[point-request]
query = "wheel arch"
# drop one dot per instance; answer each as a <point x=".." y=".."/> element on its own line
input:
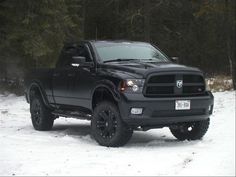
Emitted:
<point x="35" y="88"/>
<point x="106" y="90"/>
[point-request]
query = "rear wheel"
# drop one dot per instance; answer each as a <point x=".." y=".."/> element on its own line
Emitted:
<point x="107" y="127"/>
<point x="190" y="130"/>
<point x="41" y="116"/>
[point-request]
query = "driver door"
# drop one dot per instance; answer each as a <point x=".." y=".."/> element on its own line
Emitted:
<point x="81" y="78"/>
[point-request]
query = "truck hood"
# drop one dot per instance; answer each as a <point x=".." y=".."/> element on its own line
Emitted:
<point x="142" y="69"/>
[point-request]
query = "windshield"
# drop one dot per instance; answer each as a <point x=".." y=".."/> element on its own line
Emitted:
<point x="114" y="51"/>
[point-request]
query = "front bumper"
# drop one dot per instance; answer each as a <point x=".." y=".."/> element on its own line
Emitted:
<point x="161" y="111"/>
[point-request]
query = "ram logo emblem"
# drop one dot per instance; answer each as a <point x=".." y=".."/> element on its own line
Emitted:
<point x="179" y="83"/>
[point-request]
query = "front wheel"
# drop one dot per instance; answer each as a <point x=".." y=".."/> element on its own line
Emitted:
<point x="190" y="130"/>
<point x="107" y="127"/>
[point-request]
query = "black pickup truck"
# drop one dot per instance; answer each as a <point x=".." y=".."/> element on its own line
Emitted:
<point x="121" y="86"/>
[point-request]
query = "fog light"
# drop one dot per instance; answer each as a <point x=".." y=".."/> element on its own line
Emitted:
<point x="136" y="111"/>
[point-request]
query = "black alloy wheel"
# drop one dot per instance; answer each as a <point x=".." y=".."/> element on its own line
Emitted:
<point x="108" y="129"/>
<point x="36" y="112"/>
<point x="107" y="123"/>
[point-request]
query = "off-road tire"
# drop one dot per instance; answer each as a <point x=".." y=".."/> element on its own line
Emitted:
<point x="41" y="116"/>
<point x="108" y="129"/>
<point x="191" y="130"/>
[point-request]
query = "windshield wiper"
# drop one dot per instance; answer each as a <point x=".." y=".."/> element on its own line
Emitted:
<point x="121" y="59"/>
<point x="151" y="60"/>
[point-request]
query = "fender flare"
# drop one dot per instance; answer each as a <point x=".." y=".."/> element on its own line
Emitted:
<point x="109" y="86"/>
<point x="42" y="92"/>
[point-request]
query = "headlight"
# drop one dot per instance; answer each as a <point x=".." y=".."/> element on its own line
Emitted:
<point x="132" y="85"/>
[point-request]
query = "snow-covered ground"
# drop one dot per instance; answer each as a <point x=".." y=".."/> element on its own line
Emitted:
<point x="69" y="150"/>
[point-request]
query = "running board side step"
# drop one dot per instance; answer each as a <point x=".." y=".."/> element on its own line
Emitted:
<point x="72" y="114"/>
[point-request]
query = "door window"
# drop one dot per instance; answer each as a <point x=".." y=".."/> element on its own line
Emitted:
<point x="65" y="59"/>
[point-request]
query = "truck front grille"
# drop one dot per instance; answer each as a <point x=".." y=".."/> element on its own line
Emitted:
<point x="174" y="85"/>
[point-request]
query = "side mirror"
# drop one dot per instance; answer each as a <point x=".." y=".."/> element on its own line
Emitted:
<point x="80" y="61"/>
<point x="175" y="59"/>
